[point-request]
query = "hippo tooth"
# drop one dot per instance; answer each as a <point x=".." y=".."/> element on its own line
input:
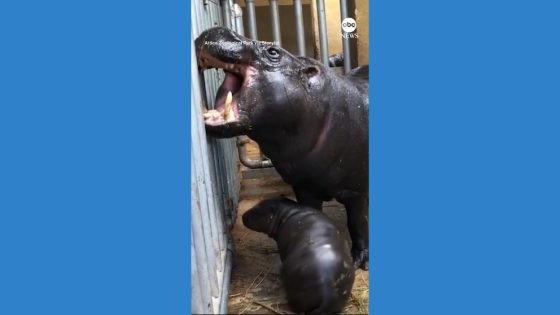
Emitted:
<point x="228" y="111"/>
<point x="230" y="116"/>
<point x="227" y="104"/>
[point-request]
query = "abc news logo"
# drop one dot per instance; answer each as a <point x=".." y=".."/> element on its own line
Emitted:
<point x="349" y="26"/>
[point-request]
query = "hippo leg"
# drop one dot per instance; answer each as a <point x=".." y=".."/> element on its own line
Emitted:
<point x="357" y="220"/>
<point x="306" y="199"/>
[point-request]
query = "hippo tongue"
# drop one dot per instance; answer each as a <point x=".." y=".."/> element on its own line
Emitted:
<point x="232" y="84"/>
<point x="213" y="116"/>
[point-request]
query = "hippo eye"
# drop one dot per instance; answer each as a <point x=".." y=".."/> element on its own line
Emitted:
<point x="273" y="52"/>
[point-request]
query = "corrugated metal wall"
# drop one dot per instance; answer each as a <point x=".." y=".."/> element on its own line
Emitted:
<point x="215" y="183"/>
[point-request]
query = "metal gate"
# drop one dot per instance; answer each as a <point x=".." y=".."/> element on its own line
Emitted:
<point x="215" y="179"/>
<point x="215" y="182"/>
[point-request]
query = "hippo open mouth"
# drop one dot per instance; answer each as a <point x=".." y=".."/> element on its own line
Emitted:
<point x="261" y="82"/>
<point x="238" y="77"/>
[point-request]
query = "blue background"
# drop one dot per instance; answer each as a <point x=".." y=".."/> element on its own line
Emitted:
<point x="94" y="151"/>
<point x="94" y="172"/>
<point x="466" y="194"/>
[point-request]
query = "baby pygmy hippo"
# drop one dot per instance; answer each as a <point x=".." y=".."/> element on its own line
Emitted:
<point x="317" y="270"/>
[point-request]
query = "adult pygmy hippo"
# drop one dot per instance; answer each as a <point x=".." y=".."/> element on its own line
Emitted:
<point x="311" y="122"/>
<point x="317" y="270"/>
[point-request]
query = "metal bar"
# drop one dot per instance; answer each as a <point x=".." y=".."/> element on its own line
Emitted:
<point x="345" y="40"/>
<point x="205" y="258"/>
<point x="238" y="19"/>
<point x="227" y="277"/>
<point x="216" y="170"/>
<point x="196" y="23"/>
<point x="232" y="15"/>
<point x="201" y="151"/>
<point x="300" y="37"/>
<point x="323" y="32"/>
<point x="213" y="175"/>
<point x="236" y="186"/>
<point x="245" y="160"/>
<point x="252" y="19"/>
<point x="275" y="22"/>
<point x="228" y="194"/>
<point x="200" y="291"/>
<point x="226" y="16"/>
<point x="204" y="190"/>
<point x="197" y="297"/>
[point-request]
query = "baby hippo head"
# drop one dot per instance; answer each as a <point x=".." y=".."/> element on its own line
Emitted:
<point x="263" y="217"/>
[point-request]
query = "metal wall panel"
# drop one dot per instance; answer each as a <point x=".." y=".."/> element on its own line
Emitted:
<point x="215" y="183"/>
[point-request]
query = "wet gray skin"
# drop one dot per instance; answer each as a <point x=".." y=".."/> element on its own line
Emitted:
<point x="317" y="271"/>
<point x="311" y="122"/>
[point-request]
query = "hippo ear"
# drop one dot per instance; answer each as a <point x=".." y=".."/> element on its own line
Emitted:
<point x="312" y="74"/>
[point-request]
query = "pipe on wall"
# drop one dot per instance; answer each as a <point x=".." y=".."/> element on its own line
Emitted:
<point x="244" y="158"/>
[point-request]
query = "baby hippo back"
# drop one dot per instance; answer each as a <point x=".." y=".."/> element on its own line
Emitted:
<point x="317" y="270"/>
